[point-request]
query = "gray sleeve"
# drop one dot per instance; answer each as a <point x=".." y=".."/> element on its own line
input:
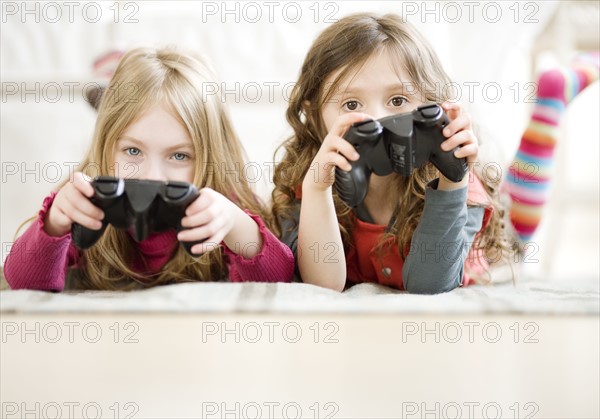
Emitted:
<point x="441" y="242"/>
<point x="289" y="235"/>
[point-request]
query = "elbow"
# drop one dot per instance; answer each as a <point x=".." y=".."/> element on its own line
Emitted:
<point x="335" y="286"/>
<point x="430" y="284"/>
<point x="332" y="277"/>
<point x="17" y="279"/>
<point x="332" y="287"/>
<point x="8" y="275"/>
<point x="427" y="289"/>
<point x="332" y="282"/>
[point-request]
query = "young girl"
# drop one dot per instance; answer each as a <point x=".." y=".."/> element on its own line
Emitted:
<point x="421" y="233"/>
<point x="155" y="123"/>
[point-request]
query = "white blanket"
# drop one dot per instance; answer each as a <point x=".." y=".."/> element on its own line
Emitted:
<point x="571" y="296"/>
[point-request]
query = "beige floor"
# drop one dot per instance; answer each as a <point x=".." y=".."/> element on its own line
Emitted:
<point x="242" y="365"/>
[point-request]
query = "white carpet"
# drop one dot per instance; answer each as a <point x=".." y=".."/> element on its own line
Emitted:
<point x="579" y="296"/>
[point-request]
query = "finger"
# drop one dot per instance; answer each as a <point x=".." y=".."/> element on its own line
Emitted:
<point x="83" y="185"/>
<point x="337" y="160"/>
<point x="344" y="122"/>
<point x="201" y="232"/>
<point x="462" y="122"/>
<point x="453" y="109"/>
<point x="204" y="200"/>
<point x="76" y="216"/>
<point x="77" y="200"/>
<point x="211" y="243"/>
<point x="87" y="222"/>
<point x="201" y="248"/>
<point x="343" y="147"/>
<point x="461" y="138"/>
<point x="200" y="218"/>
<point x="470" y="151"/>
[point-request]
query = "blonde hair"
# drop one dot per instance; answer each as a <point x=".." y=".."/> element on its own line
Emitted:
<point x="146" y="77"/>
<point x="345" y="46"/>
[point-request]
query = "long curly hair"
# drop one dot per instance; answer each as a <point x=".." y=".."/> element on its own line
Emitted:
<point x="344" y="47"/>
<point x="146" y="77"/>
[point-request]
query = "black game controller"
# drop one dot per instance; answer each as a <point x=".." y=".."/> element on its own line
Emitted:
<point x="397" y="143"/>
<point x="147" y="205"/>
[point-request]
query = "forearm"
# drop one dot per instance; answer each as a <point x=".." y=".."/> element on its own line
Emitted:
<point x="441" y="242"/>
<point x="274" y="262"/>
<point x="244" y="238"/>
<point x="447" y="185"/>
<point x="39" y="261"/>
<point x="319" y="230"/>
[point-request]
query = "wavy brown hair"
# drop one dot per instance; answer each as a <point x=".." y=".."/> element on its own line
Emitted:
<point x="347" y="45"/>
<point x="146" y="77"/>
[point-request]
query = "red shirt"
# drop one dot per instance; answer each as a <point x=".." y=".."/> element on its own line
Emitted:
<point x="39" y="261"/>
<point x="364" y="264"/>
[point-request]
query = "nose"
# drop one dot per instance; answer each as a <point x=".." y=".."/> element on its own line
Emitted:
<point x="378" y="112"/>
<point x="151" y="171"/>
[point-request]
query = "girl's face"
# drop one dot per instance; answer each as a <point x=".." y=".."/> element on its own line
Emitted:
<point x="378" y="89"/>
<point x="157" y="147"/>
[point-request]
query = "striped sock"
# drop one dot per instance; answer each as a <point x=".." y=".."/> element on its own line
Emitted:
<point x="528" y="178"/>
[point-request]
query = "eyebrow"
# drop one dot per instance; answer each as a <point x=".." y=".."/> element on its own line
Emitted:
<point x="141" y="143"/>
<point x="395" y="86"/>
<point x="133" y="140"/>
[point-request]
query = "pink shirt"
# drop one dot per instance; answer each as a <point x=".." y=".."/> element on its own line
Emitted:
<point x="39" y="261"/>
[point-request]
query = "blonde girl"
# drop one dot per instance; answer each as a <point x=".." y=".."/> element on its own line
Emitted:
<point x="154" y="122"/>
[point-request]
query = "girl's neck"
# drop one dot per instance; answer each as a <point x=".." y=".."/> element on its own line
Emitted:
<point x="379" y="201"/>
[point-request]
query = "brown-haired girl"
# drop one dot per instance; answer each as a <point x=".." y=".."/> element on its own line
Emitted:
<point x="422" y="233"/>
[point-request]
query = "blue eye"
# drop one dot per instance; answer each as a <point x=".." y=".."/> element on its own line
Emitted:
<point x="132" y="151"/>
<point x="180" y="156"/>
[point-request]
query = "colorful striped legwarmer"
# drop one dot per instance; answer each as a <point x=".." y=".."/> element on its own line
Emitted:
<point x="528" y="178"/>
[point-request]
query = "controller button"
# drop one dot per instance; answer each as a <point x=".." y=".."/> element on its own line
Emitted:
<point x="370" y="127"/>
<point x="176" y="192"/>
<point x="106" y="187"/>
<point x="430" y="111"/>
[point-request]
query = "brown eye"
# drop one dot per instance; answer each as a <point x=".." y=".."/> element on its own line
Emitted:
<point x="351" y="105"/>
<point x="398" y="101"/>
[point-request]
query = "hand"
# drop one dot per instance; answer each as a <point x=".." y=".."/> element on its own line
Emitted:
<point x="459" y="132"/>
<point x="334" y="152"/>
<point x="72" y="205"/>
<point x="211" y="217"/>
